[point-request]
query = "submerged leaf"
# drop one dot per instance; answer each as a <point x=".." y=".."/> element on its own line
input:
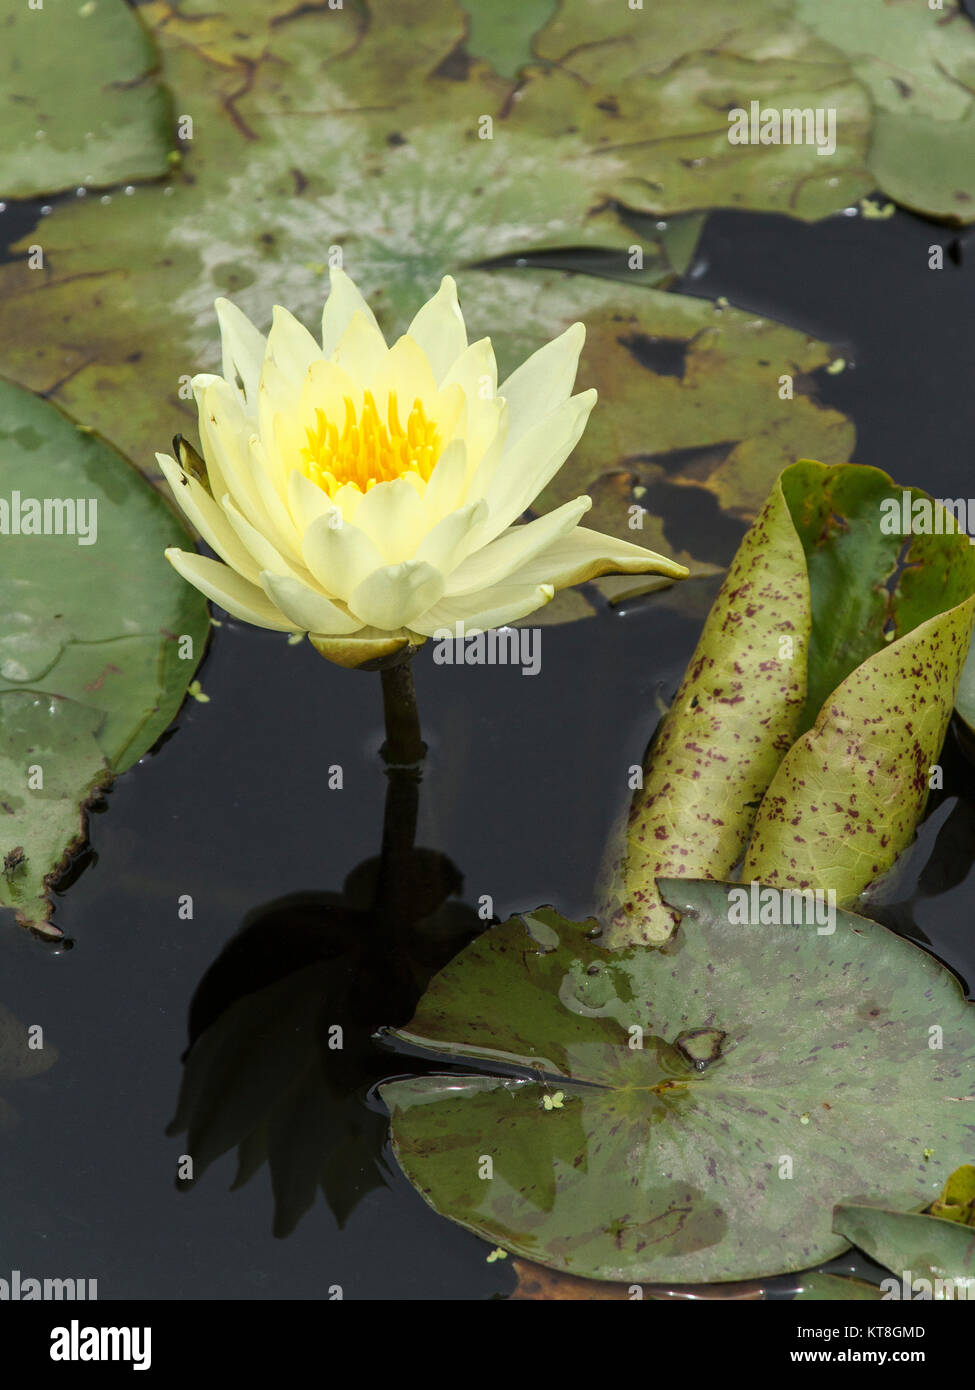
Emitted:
<point x="664" y="1164"/>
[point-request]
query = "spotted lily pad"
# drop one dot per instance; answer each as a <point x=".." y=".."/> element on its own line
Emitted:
<point x="831" y="628"/>
<point x="79" y="100"/>
<point x="717" y="1092"/>
<point x="98" y="637"/>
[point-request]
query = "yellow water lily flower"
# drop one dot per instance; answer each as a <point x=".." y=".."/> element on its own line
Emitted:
<point x="369" y="495"/>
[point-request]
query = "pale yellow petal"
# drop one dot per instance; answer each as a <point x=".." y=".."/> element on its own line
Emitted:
<point x="209" y="519"/>
<point x="242" y="349"/>
<point x="504" y="603"/>
<point x="343" y="303"/>
<point x="226" y="588"/>
<point x="515" y="548"/>
<point x="393" y="517"/>
<point x="439" y="329"/>
<point x="339" y="556"/>
<point x="583" y="554"/>
<point x="392" y="597"/>
<point x="527" y="467"/>
<point x="543" y="381"/>
<point x="311" y="610"/>
<point x="290" y="346"/>
<point x="446" y="546"/>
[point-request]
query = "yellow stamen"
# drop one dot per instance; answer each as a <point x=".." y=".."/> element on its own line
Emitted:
<point x="369" y="450"/>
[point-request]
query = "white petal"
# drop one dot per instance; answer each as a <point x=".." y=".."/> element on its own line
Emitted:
<point x="543" y="381"/>
<point x="290" y="346"/>
<point x="504" y="603"/>
<point x="229" y="590"/>
<point x="339" y="557"/>
<point x="208" y="519"/>
<point x="439" y="329"/>
<point x="312" y="611"/>
<point x="390" y="598"/>
<point x="585" y="554"/>
<point x="344" y="301"/>
<point x="242" y="348"/>
<point x="525" y="469"/>
<point x="516" y="547"/>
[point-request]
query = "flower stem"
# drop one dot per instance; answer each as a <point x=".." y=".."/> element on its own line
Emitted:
<point x="403" y="744"/>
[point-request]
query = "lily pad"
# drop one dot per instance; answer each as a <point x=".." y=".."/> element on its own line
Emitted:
<point x="918" y="64"/>
<point x="81" y="105"/>
<point x="717" y="1092"/>
<point x="124" y="306"/>
<point x="913" y="1245"/>
<point x="829" y="627"/>
<point x="98" y="637"/>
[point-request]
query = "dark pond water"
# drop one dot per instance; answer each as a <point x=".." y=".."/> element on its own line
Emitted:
<point x="523" y="779"/>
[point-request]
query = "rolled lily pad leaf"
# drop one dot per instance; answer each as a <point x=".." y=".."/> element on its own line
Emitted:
<point x="692" y="1078"/>
<point x="98" y="637"/>
<point x="80" y="105"/>
<point x="835" y="1288"/>
<point x="957" y="1201"/>
<point x="834" y="622"/>
<point x="913" y="1246"/>
<point x="965" y="699"/>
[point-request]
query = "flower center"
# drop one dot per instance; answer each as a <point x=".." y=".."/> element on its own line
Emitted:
<point x="369" y="450"/>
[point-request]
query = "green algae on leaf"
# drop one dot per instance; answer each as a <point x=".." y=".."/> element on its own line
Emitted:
<point x="80" y="104"/>
<point x="97" y="639"/>
<point x="813" y="709"/>
<point x="662" y="1163"/>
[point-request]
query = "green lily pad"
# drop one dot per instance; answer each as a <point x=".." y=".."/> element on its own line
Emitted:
<point x="123" y="308"/>
<point x="912" y="1245"/>
<point x="79" y="100"/>
<point x="717" y="1092"/>
<point x="98" y="637"/>
<point x="918" y="65"/>
<point x="836" y="1288"/>
<point x="823" y="633"/>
